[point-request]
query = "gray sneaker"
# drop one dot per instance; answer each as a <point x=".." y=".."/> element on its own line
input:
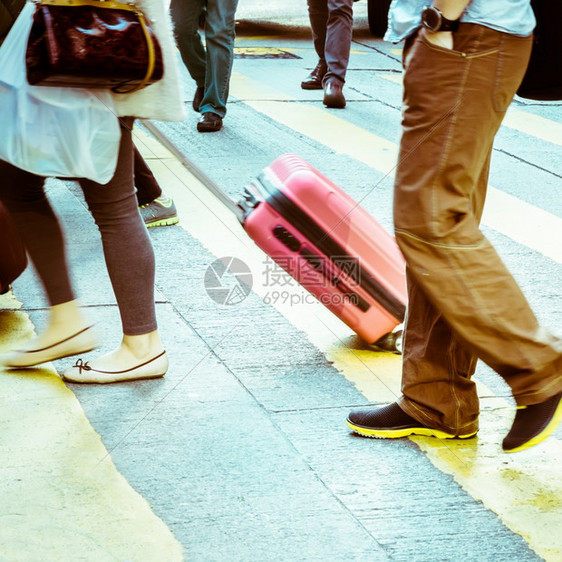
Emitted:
<point x="161" y="212"/>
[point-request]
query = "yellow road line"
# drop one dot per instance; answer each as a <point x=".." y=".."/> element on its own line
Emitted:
<point x="62" y="496"/>
<point x="540" y="230"/>
<point x="522" y="508"/>
<point x="534" y="125"/>
<point x="529" y="509"/>
<point x="523" y="489"/>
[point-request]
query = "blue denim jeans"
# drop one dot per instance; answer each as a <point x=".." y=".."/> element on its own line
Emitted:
<point x="463" y="303"/>
<point x="210" y="65"/>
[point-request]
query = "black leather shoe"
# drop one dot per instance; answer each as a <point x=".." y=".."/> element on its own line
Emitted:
<point x="198" y="97"/>
<point x="209" y="123"/>
<point x="314" y="80"/>
<point x="333" y="95"/>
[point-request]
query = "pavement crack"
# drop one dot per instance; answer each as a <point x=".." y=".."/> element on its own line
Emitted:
<point x="528" y="162"/>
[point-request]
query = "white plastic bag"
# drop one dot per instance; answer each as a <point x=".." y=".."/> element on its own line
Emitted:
<point x="50" y="131"/>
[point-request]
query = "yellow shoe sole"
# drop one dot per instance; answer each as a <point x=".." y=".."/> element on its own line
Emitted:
<point x="163" y="222"/>
<point x="546" y="432"/>
<point x="405" y="432"/>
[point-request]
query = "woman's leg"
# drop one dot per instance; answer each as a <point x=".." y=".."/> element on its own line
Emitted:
<point x="67" y="331"/>
<point x="130" y="263"/>
<point x="39" y="228"/>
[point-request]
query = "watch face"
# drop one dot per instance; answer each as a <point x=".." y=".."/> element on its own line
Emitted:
<point x="431" y="19"/>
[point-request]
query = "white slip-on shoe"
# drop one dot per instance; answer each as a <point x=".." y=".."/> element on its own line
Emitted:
<point x="83" y="373"/>
<point x="81" y="342"/>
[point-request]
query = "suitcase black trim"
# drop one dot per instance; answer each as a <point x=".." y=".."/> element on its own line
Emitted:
<point x="328" y="246"/>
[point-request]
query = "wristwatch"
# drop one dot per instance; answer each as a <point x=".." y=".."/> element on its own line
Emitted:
<point x="433" y="20"/>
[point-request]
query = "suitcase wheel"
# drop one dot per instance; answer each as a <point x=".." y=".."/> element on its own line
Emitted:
<point x="391" y="342"/>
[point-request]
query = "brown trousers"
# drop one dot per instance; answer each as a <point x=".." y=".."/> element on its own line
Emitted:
<point x="463" y="302"/>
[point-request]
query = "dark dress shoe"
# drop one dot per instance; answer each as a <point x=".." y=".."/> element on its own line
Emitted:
<point x="314" y="80"/>
<point x="333" y="95"/>
<point x="198" y="97"/>
<point x="209" y="123"/>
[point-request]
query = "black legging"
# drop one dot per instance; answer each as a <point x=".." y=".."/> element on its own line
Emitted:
<point x="128" y="252"/>
<point x="147" y="187"/>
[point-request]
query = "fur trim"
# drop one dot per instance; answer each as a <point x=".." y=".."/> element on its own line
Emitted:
<point x="162" y="100"/>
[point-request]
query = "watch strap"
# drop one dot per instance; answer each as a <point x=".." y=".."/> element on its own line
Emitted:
<point x="432" y="13"/>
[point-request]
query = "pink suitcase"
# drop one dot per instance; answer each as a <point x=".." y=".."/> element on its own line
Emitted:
<point x="329" y="244"/>
<point x="324" y="240"/>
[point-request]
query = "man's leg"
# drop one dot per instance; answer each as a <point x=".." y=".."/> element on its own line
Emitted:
<point x="219" y="38"/>
<point x="145" y="182"/>
<point x="437" y="367"/>
<point x="186" y="16"/>
<point x="439" y="192"/>
<point x="436" y="218"/>
<point x="318" y="15"/>
<point x="156" y="208"/>
<point x="338" y="38"/>
<point x="338" y="44"/>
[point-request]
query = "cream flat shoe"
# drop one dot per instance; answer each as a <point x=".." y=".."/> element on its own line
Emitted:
<point x="83" y="373"/>
<point x="80" y="342"/>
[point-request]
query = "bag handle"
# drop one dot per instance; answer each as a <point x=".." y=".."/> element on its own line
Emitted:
<point x="116" y="5"/>
<point x="151" y="58"/>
